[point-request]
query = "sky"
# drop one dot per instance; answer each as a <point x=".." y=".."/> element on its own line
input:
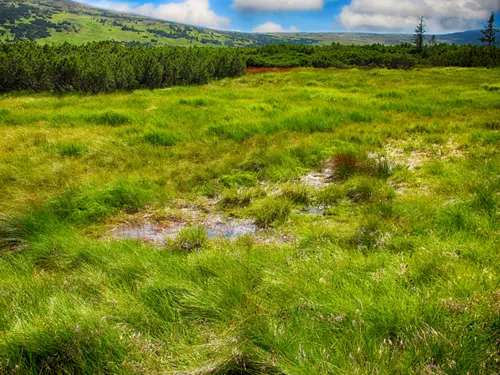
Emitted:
<point x="393" y="16"/>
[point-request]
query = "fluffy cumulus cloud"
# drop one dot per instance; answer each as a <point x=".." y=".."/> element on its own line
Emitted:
<point x="271" y="27"/>
<point x="193" y="12"/>
<point x="402" y="15"/>
<point x="277" y="5"/>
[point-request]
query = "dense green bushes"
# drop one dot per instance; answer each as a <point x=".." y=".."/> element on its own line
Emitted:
<point x="104" y="67"/>
<point x="403" y="56"/>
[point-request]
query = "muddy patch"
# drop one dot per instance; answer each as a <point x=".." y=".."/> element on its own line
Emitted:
<point x="417" y="157"/>
<point x="260" y="70"/>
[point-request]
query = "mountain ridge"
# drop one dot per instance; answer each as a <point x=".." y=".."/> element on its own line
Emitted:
<point x="57" y="21"/>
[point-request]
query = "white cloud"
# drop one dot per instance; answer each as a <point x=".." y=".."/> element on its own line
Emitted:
<point x="114" y="5"/>
<point x="271" y="27"/>
<point x="277" y="5"/>
<point x="402" y="15"/>
<point x="193" y="12"/>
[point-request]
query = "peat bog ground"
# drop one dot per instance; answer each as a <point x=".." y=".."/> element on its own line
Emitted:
<point x="302" y="222"/>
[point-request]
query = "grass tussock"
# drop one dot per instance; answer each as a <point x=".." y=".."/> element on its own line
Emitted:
<point x="109" y="119"/>
<point x="161" y="138"/>
<point x="190" y="239"/>
<point x="268" y="211"/>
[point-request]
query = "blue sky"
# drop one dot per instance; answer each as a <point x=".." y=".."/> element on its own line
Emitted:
<point x="442" y="16"/>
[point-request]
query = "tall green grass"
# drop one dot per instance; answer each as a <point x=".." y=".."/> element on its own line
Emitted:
<point x="396" y="272"/>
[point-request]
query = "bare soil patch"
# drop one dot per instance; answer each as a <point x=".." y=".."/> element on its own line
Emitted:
<point x="260" y="70"/>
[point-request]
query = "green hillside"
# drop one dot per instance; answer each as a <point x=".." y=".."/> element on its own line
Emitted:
<point x="56" y="21"/>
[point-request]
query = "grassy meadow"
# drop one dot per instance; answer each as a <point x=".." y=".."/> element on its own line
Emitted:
<point x="375" y="198"/>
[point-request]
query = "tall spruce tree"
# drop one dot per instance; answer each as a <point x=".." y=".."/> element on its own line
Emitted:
<point x="489" y="33"/>
<point x="418" y="37"/>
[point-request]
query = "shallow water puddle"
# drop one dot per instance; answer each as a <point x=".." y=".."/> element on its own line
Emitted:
<point x="146" y="232"/>
<point x="314" y="210"/>
<point x="216" y="227"/>
<point x="233" y="229"/>
<point x="317" y="180"/>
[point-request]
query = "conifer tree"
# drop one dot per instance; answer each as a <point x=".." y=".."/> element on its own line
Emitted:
<point x="419" y="34"/>
<point x="489" y="33"/>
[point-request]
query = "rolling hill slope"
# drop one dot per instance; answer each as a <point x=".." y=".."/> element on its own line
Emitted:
<point x="56" y="21"/>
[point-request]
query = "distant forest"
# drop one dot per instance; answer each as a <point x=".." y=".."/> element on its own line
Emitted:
<point x="106" y="66"/>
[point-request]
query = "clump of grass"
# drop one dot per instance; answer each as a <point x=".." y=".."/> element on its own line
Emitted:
<point x="349" y="163"/>
<point x="161" y="138"/>
<point x="4" y="113"/>
<point x="389" y="95"/>
<point x="357" y="116"/>
<point x="92" y="203"/>
<point x="238" y="356"/>
<point x="237" y="132"/>
<point x="382" y="168"/>
<point x="486" y="138"/>
<point x="295" y="193"/>
<point x="490" y="87"/>
<point x="487" y="199"/>
<point x="370" y="236"/>
<point x="369" y="189"/>
<point x="67" y="346"/>
<point x="313" y="122"/>
<point x="239" y="179"/>
<point x="235" y="197"/>
<point x="270" y="210"/>
<point x="198" y="102"/>
<point x="330" y="195"/>
<point x="110" y="119"/>
<point x="71" y="149"/>
<point x="12" y="234"/>
<point x="345" y="165"/>
<point x="190" y="239"/>
<point x="492" y="125"/>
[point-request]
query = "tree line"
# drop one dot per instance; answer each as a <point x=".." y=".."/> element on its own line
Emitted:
<point x="105" y="66"/>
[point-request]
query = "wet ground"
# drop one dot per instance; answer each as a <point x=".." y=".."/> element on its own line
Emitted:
<point x="158" y="233"/>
